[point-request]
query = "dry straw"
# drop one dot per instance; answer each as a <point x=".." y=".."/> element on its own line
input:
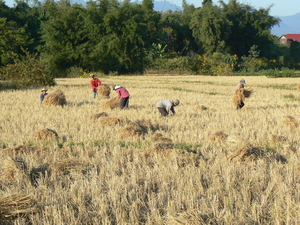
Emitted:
<point x="290" y="121"/>
<point x="241" y="94"/>
<point x="138" y="128"/>
<point x="193" y="217"/>
<point x="277" y="139"/>
<point x="66" y="166"/>
<point x="57" y="97"/>
<point x="298" y="87"/>
<point x="218" y="136"/>
<point x="160" y="138"/>
<point x="110" y="121"/>
<point x="47" y="134"/>
<point x="159" y="148"/>
<point x="18" y="205"/>
<point x="98" y="115"/>
<point x="20" y="149"/>
<point x="111" y="104"/>
<point x="12" y="170"/>
<point x="200" y="108"/>
<point x="245" y="154"/>
<point x="103" y="91"/>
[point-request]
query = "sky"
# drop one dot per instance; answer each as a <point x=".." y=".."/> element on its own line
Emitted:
<point x="279" y="8"/>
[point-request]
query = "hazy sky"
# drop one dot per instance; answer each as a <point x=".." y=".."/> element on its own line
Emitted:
<point x="279" y="8"/>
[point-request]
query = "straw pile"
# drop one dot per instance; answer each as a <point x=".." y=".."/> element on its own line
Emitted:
<point x="103" y="91"/>
<point x="47" y="134"/>
<point x="218" y="136"/>
<point x="138" y="128"/>
<point x="194" y="217"/>
<point x="98" y="115"/>
<point x="18" y="205"/>
<point x="66" y="166"/>
<point x="160" y="138"/>
<point x="298" y="87"/>
<point x="12" y="169"/>
<point x="159" y="148"/>
<point x="111" y="104"/>
<point x="241" y="94"/>
<point x="57" y="97"/>
<point x="19" y="149"/>
<point x="290" y="121"/>
<point x="110" y="121"/>
<point x="245" y="154"/>
<point x="275" y="139"/>
<point x="200" y="108"/>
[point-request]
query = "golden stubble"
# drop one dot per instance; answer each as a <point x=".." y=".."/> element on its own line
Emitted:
<point x="106" y="178"/>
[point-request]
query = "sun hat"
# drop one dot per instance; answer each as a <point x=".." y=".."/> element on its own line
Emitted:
<point x="92" y="75"/>
<point x="177" y="102"/>
<point x="243" y="81"/>
<point x="44" y="89"/>
<point x="116" y="87"/>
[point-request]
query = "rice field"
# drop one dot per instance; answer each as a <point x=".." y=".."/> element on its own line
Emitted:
<point x="84" y="163"/>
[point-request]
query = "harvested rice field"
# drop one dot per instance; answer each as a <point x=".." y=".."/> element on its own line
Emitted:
<point x="78" y="160"/>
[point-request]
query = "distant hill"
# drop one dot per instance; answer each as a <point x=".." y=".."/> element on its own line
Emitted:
<point x="288" y="25"/>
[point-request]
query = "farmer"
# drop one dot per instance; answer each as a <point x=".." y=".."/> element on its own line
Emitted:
<point x="44" y="93"/>
<point x="123" y="96"/>
<point x="165" y="106"/>
<point x="240" y="85"/>
<point x="95" y="83"/>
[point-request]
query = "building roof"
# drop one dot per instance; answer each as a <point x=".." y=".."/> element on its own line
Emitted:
<point x="295" y="37"/>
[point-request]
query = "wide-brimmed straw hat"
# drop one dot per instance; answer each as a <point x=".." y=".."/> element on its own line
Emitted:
<point x="44" y="89"/>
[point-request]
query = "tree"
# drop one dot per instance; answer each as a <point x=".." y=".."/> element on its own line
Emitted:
<point x="233" y="28"/>
<point x="64" y="36"/>
<point x="12" y="38"/>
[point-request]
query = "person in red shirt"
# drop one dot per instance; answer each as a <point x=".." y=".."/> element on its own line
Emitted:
<point x="95" y="83"/>
<point x="123" y="96"/>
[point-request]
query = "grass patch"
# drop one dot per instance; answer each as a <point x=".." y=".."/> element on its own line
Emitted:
<point x="291" y="97"/>
<point x="281" y="86"/>
<point x="182" y="89"/>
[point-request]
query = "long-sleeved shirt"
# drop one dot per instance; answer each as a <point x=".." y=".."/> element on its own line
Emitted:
<point x="122" y="92"/>
<point x="167" y="105"/>
<point x="42" y="96"/>
<point x="95" y="83"/>
<point x="239" y="85"/>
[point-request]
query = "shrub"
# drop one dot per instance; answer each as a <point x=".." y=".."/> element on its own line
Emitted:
<point x="26" y="71"/>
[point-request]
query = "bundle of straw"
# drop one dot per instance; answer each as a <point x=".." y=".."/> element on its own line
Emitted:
<point x="218" y="136"/>
<point x="241" y="94"/>
<point x="15" y="206"/>
<point x="103" y="91"/>
<point x="57" y="97"/>
<point x="98" y="115"/>
<point x="111" y="104"/>
<point x="246" y="153"/>
<point x="47" y="134"/>
<point x="110" y="121"/>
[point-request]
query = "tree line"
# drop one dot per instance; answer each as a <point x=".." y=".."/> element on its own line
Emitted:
<point x="55" y="38"/>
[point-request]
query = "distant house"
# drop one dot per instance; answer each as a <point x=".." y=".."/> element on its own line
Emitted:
<point x="287" y="39"/>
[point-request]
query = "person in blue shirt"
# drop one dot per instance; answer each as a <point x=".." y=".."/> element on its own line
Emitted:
<point x="44" y="93"/>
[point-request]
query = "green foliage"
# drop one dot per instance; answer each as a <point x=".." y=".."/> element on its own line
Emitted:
<point x="27" y="71"/>
<point x="291" y="97"/>
<point x="11" y="40"/>
<point x="233" y="28"/>
<point x="284" y="72"/>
